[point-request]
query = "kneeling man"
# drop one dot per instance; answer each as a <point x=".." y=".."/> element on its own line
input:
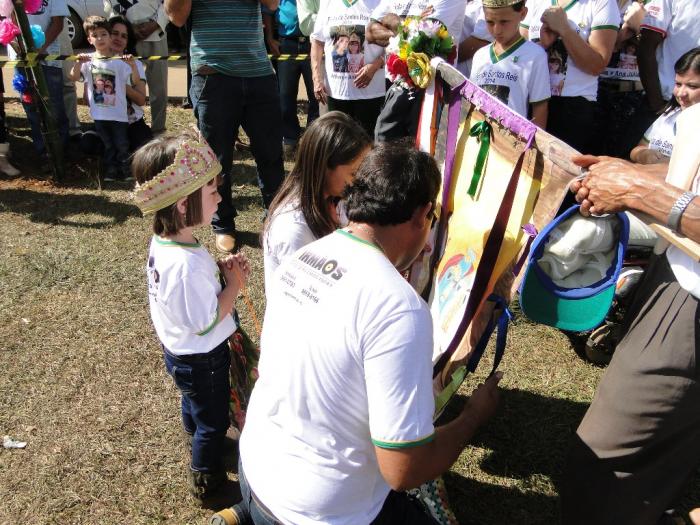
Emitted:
<point x="340" y="422"/>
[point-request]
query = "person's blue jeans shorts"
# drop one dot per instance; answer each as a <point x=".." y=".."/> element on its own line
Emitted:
<point x="204" y="382"/>
<point x="54" y="84"/>
<point x="221" y="104"/>
<point x="288" y="73"/>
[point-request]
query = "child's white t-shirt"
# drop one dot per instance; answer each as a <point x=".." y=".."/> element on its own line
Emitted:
<point x="134" y="111"/>
<point x="337" y="25"/>
<point x="677" y="22"/>
<point x="183" y="290"/>
<point x="97" y="73"/>
<point x="661" y="135"/>
<point x="518" y="77"/>
<point x="585" y="16"/>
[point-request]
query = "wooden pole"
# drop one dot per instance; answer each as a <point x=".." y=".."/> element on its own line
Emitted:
<point x="35" y="75"/>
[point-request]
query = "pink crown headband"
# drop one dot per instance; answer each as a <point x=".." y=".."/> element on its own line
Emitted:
<point x="194" y="166"/>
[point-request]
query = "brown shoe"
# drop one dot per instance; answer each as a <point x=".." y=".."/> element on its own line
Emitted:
<point x="225" y="242"/>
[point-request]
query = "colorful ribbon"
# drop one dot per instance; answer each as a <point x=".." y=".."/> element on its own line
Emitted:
<point x="482" y="132"/>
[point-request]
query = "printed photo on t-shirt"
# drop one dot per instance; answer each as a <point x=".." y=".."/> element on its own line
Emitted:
<point x="103" y="87"/>
<point x="500" y="92"/>
<point x="557" y="57"/>
<point x="348" y="48"/>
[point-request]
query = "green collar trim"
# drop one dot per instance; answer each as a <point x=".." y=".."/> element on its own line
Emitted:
<point x="349" y="3"/>
<point x="355" y="238"/>
<point x="168" y="242"/>
<point x="514" y="47"/>
<point x="567" y="7"/>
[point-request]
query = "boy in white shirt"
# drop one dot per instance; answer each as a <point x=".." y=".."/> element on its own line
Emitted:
<point x="106" y="79"/>
<point x="512" y="69"/>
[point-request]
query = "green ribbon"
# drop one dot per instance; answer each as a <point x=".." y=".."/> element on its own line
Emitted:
<point x="482" y="132"/>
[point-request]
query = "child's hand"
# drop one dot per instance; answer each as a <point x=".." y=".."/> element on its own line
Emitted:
<point x="84" y="57"/>
<point x="236" y="269"/>
<point x="129" y="59"/>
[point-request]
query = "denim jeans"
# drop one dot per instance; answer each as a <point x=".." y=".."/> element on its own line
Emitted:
<point x="115" y="137"/>
<point x="398" y="507"/>
<point x="288" y="73"/>
<point x="221" y="104"/>
<point x="54" y="83"/>
<point x="203" y="380"/>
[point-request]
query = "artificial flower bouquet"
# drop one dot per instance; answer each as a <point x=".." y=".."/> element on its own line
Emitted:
<point x="417" y="41"/>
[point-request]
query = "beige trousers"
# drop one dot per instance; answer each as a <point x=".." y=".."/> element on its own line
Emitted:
<point x="157" y="80"/>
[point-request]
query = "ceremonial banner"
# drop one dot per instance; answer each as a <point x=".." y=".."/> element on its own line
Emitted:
<point x="503" y="180"/>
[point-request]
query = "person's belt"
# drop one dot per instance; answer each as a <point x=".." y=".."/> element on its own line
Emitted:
<point x="622" y="86"/>
<point x="301" y="39"/>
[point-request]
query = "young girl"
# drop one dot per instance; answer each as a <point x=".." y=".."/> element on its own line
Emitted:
<point x="191" y="311"/>
<point x="657" y="144"/>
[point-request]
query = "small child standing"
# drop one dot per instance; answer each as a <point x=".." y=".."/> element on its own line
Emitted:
<point x="106" y="79"/>
<point x="512" y="69"/>
<point x="191" y="310"/>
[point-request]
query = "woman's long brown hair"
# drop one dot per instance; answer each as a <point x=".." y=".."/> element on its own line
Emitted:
<point x="330" y="141"/>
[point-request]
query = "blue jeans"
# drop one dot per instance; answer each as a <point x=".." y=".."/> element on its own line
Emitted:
<point x="203" y="380"/>
<point x="115" y="137"/>
<point x="288" y="73"/>
<point x="54" y="83"/>
<point x="221" y="104"/>
<point x="398" y="508"/>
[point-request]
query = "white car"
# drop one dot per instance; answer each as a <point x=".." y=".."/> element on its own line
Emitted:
<point x="79" y="11"/>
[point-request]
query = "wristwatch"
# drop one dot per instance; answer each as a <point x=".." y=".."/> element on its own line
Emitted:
<point x="674" y="217"/>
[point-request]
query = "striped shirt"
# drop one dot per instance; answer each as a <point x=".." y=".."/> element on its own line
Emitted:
<point x="228" y="36"/>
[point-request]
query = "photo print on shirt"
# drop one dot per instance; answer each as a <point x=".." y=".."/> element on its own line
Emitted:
<point x="557" y="57"/>
<point x="500" y="92"/>
<point x="103" y="87"/>
<point x="348" y="48"/>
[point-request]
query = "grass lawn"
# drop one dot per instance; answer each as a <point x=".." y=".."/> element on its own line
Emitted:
<point x="84" y="384"/>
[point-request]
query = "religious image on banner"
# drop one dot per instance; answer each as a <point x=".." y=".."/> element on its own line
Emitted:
<point x="348" y="48"/>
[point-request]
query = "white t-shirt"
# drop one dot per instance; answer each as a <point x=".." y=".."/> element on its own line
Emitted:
<point x="684" y="163"/>
<point x="98" y="74"/>
<point x="42" y="18"/>
<point x="134" y="111"/>
<point x="449" y="12"/>
<point x="341" y="27"/>
<point x="286" y="233"/>
<point x="585" y="16"/>
<point x="677" y="21"/>
<point x="661" y="135"/>
<point x="474" y="24"/>
<point x="345" y="364"/>
<point x="623" y="63"/>
<point x="518" y="77"/>
<point x="183" y="290"/>
<point x="139" y="11"/>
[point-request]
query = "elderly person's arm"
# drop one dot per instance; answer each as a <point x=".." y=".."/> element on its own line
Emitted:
<point x="613" y="185"/>
<point x="52" y="32"/>
<point x="178" y="11"/>
<point x="591" y="57"/>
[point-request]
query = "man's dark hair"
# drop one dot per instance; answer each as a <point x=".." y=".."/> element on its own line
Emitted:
<point x="392" y="182"/>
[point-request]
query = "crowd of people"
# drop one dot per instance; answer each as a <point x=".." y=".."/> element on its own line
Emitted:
<point x="340" y="422"/>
